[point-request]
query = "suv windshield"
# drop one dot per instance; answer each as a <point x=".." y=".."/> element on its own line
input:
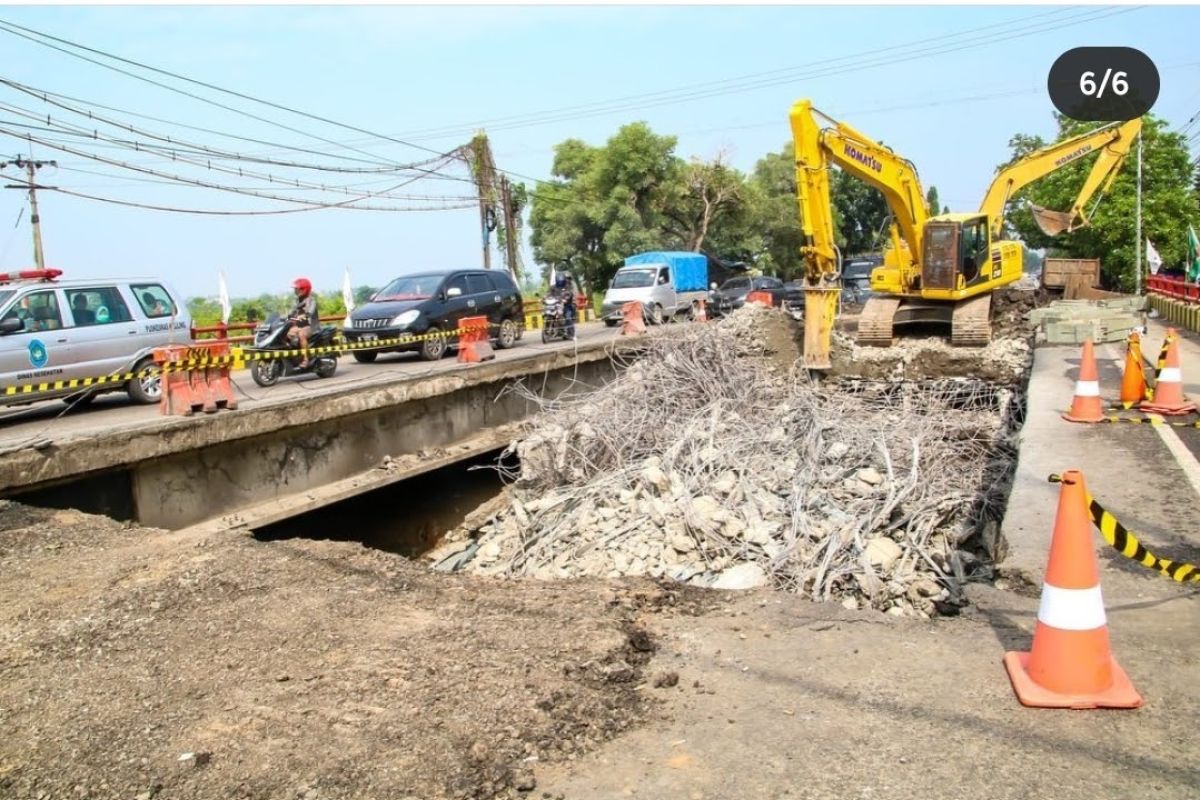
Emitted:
<point x="735" y="283"/>
<point x="412" y="287"/>
<point x="633" y="278"/>
<point x="4" y="295"/>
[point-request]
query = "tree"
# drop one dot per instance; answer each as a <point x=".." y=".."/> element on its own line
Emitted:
<point x="931" y="201"/>
<point x="772" y="194"/>
<point x="709" y="193"/>
<point x="861" y="213"/>
<point x="1169" y="203"/>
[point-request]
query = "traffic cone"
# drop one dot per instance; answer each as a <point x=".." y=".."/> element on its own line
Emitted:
<point x="632" y="319"/>
<point x="1085" y="407"/>
<point x="1133" y="382"/>
<point x="1070" y="664"/>
<point x="701" y="312"/>
<point x="1168" y="390"/>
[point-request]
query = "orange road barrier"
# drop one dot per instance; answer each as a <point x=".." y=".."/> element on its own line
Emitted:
<point x="633" y="321"/>
<point x="1133" y="381"/>
<point x="473" y="343"/>
<point x="1071" y="664"/>
<point x="701" y="312"/>
<point x="761" y="298"/>
<point x="186" y="389"/>
<point x="1086" y="407"/>
<point x="1168" y="389"/>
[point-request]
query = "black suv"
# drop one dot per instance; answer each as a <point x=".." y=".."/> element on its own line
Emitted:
<point x="427" y="302"/>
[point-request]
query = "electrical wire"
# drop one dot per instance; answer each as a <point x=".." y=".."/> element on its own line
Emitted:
<point x="30" y="35"/>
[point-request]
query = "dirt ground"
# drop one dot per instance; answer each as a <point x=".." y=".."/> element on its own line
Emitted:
<point x="309" y="669"/>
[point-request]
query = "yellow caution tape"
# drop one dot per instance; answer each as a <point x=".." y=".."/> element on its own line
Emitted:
<point x="238" y="358"/>
<point x="1126" y="543"/>
<point x="1151" y="420"/>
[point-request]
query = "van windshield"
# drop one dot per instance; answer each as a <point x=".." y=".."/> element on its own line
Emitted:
<point x="413" y="287"/>
<point x="634" y="278"/>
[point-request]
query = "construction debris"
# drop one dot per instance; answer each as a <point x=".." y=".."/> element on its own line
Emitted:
<point x="715" y="461"/>
<point x="1074" y="321"/>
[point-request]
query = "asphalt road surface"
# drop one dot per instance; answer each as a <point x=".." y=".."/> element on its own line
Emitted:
<point x="20" y="425"/>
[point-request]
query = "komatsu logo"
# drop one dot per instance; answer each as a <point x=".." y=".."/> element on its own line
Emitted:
<point x="1087" y="148"/>
<point x="863" y="158"/>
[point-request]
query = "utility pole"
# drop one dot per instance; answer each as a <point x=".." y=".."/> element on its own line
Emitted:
<point x="1138" y="261"/>
<point x="31" y="167"/>
<point x="510" y="226"/>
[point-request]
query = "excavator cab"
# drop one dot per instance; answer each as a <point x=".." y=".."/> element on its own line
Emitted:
<point x="956" y="253"/>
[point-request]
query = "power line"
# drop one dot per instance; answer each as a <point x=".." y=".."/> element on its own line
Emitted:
<point x="180" y="143"/>
<point x="7" y="26"/>
<point x="216" y="186"/>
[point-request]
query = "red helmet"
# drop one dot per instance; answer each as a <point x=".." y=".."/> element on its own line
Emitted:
<point x="303" y="284"/>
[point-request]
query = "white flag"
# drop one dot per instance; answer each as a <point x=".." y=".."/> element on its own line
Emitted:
<point x="347" y="292"/>
<point x="223" y="298"/>
<point x="1153" y="258"/>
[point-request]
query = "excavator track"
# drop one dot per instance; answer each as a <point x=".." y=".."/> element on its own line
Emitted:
<point x="972" y="326"/>
<point x="875" y="322"/>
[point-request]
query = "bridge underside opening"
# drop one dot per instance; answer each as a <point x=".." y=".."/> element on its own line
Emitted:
<point x="408" y="517"/>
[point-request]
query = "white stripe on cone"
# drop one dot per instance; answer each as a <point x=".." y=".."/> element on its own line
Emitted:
<point x="1071" y="609"/>
<point x="1170" y="375"/>
<point x="1087" y="388"/>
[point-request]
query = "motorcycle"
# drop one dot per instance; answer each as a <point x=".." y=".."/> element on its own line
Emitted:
<point x="272" y="335"/>
<point x="554" y="320"/>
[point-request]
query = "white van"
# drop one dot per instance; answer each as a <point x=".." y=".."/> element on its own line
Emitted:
<point x="52" y="330"/>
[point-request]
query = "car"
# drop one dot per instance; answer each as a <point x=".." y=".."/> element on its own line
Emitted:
<point x="856" y="277"/>
<point x="52" y="330"/>
<point x="732" y="293"/>
<point x="435" y="301"/>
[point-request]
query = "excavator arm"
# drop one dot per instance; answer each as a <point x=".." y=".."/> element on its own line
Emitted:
<point x="1113" y="142"/>
<point x="816" y="149"/>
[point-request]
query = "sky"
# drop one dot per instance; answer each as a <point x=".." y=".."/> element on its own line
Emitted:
<point x="430" y="76"/>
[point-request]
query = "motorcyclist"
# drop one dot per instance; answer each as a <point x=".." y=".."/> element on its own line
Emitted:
<point x="303" y="317"/>
<point x="562" y="291"/>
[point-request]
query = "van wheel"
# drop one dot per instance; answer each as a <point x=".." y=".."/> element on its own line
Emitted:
<point x="434" y="348"/>
<point x="611" y="323"/>
<point x="656" y="314"/>
<point x="148" y="389"/>
<point x="365" y="356"/>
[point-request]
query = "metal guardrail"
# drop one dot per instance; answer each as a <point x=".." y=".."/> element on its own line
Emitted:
<point x="1173" y="287"/>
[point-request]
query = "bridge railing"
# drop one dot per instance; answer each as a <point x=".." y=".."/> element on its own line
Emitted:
<point x="1174" y="287"/>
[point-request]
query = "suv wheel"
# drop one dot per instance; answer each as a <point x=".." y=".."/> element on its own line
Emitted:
<point x="365" y="356"/>
<point x="148" y="389"/>
<point x="508" y="334"/>
<point x="433" y="348"/>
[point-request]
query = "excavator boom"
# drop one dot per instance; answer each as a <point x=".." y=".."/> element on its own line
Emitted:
<point x="1113" y="142"/>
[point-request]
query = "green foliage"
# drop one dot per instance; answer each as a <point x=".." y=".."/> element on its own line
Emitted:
<point x="860" y="213"/>
<point x="931" y="201"/>
<point x="634" y="194"/>
<point x="1169" y="203"/>
<point x="206" y="311"/>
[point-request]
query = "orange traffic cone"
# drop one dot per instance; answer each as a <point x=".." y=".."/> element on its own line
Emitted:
<point x="701" y="314"/>
<point x="1071" y="665"/>
<point x="1168" y="390"/>
<point x="1133" y="382"/>
<point x="1085" y="407"/>
<point x="632" y="319"/>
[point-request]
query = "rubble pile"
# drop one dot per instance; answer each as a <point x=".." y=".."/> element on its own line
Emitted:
<point x="1003" y="361"/>
<point x="707" y="461"/>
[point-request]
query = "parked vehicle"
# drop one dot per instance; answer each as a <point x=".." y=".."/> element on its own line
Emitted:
<point x="665" y="283"/>
<point x="272" y="335"/>
<point x="554" y="319"/>
<point x="53" y="330"/>
<point x="856" y="278"/>
<point x="433" y="302"/>
<point x="731" y="295"/>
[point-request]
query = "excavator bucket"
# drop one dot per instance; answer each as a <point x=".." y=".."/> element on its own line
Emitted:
<point x="820" y="308"/>
<point x="1051" y="222"/>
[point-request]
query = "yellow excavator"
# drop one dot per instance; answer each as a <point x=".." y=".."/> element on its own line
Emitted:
<point x="939" y="268"/>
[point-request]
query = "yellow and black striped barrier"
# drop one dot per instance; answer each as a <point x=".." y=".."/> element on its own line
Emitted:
<point x="1126" y="543"/>
<point x="236" y="360"/>
<point x="1154" y="420"/>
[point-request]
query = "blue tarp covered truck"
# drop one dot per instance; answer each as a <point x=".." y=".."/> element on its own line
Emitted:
<point x="666" y="283"/>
